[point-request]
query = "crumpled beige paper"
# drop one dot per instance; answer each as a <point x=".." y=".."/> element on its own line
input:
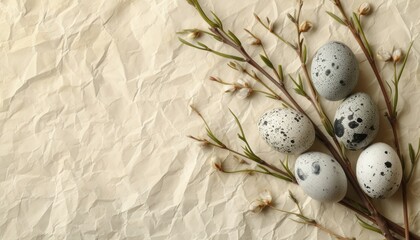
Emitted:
<point x="95" y="112"/>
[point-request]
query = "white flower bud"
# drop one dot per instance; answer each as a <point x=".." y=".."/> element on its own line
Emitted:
<point x="397" y="55"/>
<point x="271" y="27"/>
<point x="242" y="82"/>
<point x="229" y="88"/>
<point x="266" y="197"/>
<point x="254" y="41"/>
<point x="244" y="93"/>
<point x="194" y="35"/>
<point x="305" y="26"/>
<point x="217" y="164"/>
<point x="256" y="206"/>
<point x="384" y="55"/>
<point x="364" y="9"/>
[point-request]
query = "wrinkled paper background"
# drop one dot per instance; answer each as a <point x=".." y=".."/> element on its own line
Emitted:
<point x="95" y="112"/>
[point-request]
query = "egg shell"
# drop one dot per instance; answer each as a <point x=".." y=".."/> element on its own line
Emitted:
<point x="321" y="177"/>
<point x="379" y="171"/>
<point x="356" y="121"/>
<point x="334" y="70"/>
<point x="287" y="130"/>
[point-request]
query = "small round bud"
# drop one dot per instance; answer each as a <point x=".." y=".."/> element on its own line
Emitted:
<point x="244" y="93"/>
<point x="229" y="88"/>
<point x="266" y="197"/>
<point x="396" y="55"/>
<point x="194" y="35"/>
<point x="364" y="9"/>
<point x="271" y="27"/>
<point x="242" y="82"/>
<point x="256" y="206"/>
<point x="216" y="79"/>
<point x="254" y="41"/>
<point x="305" y="26"/>
<point x="384" y="55"/>
<point x="217" y="164"/>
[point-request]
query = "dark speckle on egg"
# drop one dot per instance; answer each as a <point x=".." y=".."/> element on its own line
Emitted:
<point x="338" y="127"/>
<point x="301" y="174"/>
<point x="357" y="137"/>
<point x="316" y="168"/>
<point x="328" y="72"/>
<point x="353" y="124"/>
<point x="388" y="164"/>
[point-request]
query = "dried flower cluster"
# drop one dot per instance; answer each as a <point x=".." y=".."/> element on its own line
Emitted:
<point x="263" y="201"/>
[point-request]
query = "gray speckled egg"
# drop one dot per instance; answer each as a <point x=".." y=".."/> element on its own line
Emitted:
<point x="287" y="130"/>
<point x="334" y="71"/>
<point x="321" y="177"/>
<point x="379" y="171"/>
<point x="356" y="121"/>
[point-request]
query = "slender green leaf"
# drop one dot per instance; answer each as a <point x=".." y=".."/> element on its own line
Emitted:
<point x="405" y="61"/>
<point x="204" y="46"/>
<point x="267" y="61"/>
<point x="297" y="221"/>
<point x="418" y="147"/>
<point x="389" y="87"/>
<point x="411" y="153"/>
<point x="234" y="38"/>
<point x="292" y="19"/>
<point x="305" y="53"/>
<point x="202" y="14"/>
<point x="356" y="21"/>
<point x="286" y="167"/>
<point x="247" y="148"/>
<point x="299" y="86"/>
<point x="336" y="18"/>
<point x="280" y="70"/>
<point x="368" y="226"/>
<point x="214" y="138"/>
<point x="228" y="56"/>
<point x="217" y="20"/>
<point x="263" y="168"/>
<point x="190" y="44"/>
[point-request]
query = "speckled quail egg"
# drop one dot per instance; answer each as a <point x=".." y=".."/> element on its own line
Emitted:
<point x="335" y="71"/>
<point x="287" y="130"/>
<point x="379" y="171"/>
<point x="356" y="121"/>
<point x="321" y="177"/>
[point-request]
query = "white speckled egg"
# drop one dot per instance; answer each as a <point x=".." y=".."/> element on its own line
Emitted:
<point x="379" y="171"/>
<point x="334" y="70"/>
<point x="321" y="177"/>
<point x="356" y="121"/>
<point x="287" y="130"/>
